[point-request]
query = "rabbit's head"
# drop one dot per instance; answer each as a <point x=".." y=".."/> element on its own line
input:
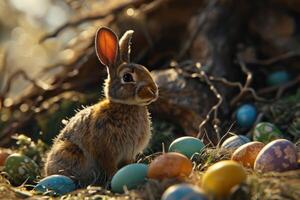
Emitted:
<point x="127" y="83"/>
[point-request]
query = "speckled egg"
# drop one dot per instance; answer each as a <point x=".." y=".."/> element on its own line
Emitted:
<point x="235" y="141"/>
<point x="279" y="155"/>
<point x="246" y="115"/>
<point x="130" y="176"/>
<point x="246" y="154"/>
<point x="55" y="185"/>
<point x="20" y="168"/>
<point x="278" y="78"/>
<point x="184" y="191"/>
<point x="266" y="132"/>
<point x="170" y="165"/>
<point x="221" y="177"/>
<point x="187" y="146"/>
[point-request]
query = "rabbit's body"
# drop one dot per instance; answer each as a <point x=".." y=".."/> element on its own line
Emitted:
<point x="109" y="134"/>
<point x="120" y="137"/>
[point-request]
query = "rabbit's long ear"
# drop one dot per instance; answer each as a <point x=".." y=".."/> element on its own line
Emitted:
<point x="107" y="46"/>
<point x="125" y="43"/>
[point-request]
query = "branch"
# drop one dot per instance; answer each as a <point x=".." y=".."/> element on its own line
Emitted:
<point x="92" y="17"/>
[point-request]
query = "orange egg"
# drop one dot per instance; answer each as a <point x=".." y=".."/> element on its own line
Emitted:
<point x="247" y="153"/>
<point x="170" y="165"/>
<point x="3" y="155"/>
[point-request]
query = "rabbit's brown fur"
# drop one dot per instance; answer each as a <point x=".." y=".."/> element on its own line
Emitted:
<point x="101" y="138"/>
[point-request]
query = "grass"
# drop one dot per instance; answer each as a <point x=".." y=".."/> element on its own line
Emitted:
<point x="269" y="186"/>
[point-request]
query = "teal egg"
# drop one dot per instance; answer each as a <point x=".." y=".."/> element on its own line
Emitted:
<point x="266" y="132"/>
<point x="184" y="192"/>
<point x="187" y="146"/>
<point x="129" y="176"/>
<point x="246" y="115"/>
<point x="235" y="141"/>
<point x="20" y="169"/>
<point x="278" y="78"/>
<point x="55" y="185"/>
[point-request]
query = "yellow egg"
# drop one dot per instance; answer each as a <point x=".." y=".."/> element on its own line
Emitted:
<point x="222" y="176"/>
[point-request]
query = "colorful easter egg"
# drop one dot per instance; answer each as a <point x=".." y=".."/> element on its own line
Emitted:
<point x="187" y="146"/>
<point x="221" y="177"/>
<point x="55" y="185"/>
<point x="278" y="78"/>
<point x="184" y="191"/>
<point x="246" y="115"/>
<point x="235" y="141"/>
<point x="246" y="154"/>
<point x="129" y="176"/>
<point x="20" y="168"/>
<point x="266" y="132"/>
<point x="279" y="155"/>
<point x="170" y="165"/>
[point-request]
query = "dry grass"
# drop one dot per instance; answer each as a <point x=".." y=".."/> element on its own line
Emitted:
<point x="270" y="186"/>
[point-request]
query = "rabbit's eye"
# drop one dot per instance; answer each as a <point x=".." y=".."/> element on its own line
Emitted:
<point x="127" y="77"/>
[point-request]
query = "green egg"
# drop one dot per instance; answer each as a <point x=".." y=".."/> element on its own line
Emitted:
<point x="187" y="146"/>
<point x="266" y="132"/>
<point x="20" y="169"/>
<point x="130" y="176"/>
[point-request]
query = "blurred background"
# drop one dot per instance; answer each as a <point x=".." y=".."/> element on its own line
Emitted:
<point x="208" y="58"/>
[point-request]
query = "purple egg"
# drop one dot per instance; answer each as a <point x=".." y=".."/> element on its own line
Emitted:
<point x="279" y="155"/>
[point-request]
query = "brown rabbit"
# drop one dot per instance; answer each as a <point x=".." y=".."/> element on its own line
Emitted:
<point x="109" y="134"/>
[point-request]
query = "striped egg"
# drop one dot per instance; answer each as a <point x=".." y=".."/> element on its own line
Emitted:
<point x="235" y="141"/>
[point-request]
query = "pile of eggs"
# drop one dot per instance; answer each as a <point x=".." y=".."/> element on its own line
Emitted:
<point x="175" y="163"/>
<point x="217" y="181"/>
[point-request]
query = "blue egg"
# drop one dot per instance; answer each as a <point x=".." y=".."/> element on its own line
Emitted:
<point x="235" y="141"/>
<point x="184" y="191"/>
<point x="246" y="115"/>
<point x="187" y="146"/>
<point x="278" y="78"/>
<point x="55" y="185"/>
<point x="130" y="176"/>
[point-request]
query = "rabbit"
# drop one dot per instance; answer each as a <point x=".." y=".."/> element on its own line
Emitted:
<point x="103" y="137"/>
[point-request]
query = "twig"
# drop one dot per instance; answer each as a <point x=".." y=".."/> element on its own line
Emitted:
<point x="246" y="87"/>
<point x="202" y="75"/>
<point x="276" y="59"/>
<point x="280" y="88"/>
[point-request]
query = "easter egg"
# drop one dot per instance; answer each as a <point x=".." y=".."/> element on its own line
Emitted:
<point x="186" y="146"/>
<point x="266" y="132"/>
<point x="55" y="185"/>
<point x="235" y="141"/>
<point x="130" y="176"/>
<point x="170" y="165"/>
<point x="3" y="155"/>
<point x="246" y="154"/>
<point x="20" y="168"/>
<point x="184" y="191"/>
<point x="278" y="78"/>
<point x="222" y="176"/>
<point x="246" y="115"/>
<point x="279" y="155"/>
